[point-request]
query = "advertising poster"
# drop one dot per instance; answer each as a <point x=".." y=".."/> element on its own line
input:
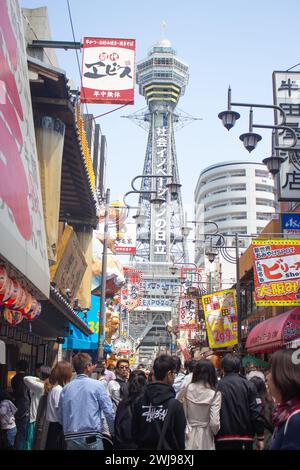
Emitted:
<point x="126" y="243"/>
<point x="108" y="71"/>
<point x="22" y="228"/>
<point x="276" y="265"/>
<point x="188" y="313"/>
<point x="220" y="312"/>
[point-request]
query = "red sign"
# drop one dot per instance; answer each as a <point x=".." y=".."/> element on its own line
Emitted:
<point x="276" y="265"/>
<point x="108" y="71"/>
<point x="131" y="292"/>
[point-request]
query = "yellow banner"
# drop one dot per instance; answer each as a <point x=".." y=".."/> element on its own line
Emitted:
<point x="220" y="312"/>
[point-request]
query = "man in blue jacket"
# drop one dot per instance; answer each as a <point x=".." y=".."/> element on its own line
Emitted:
<point x="81" y="405"/>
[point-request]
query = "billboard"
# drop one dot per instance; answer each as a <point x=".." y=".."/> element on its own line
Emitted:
<point x="126" y="242"/>
<point x="286" y="91"/>
<point x="22" y="239"/>
<point x="276" y="266"/>
<point x="220" y="313"/>
<point x="108" y="71"/>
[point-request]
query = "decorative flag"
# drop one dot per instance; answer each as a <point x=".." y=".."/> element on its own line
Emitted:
<point x="188" y="310"/>
<point x="276" y="265"/>
<point x="220" y="312"/>
<point x="108" y="71"/>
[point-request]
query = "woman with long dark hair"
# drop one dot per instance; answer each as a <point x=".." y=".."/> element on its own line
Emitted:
<point x="135" y="388"/>
<point x="284" y="385"/>
<point x="202" y="403"/>
<point x="267" y="409"/>
<point x="60" y="375"/>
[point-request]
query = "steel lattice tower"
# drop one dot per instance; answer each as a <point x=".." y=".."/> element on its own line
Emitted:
<point x="162" y="78"/>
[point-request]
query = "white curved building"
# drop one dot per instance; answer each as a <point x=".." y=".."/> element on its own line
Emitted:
<point x="240" y="197"/>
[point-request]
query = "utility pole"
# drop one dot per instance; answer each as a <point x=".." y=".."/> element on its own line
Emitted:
<point x="100" y="354"/>
<point x="238" y="293"/>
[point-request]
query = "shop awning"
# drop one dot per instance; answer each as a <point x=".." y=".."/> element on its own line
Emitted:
<point x="275" y="332"/>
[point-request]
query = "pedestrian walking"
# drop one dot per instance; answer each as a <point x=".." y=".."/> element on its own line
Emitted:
<point x="60" y="376"/>
<point x="268" y="404"/>
<point x="254" y="372"/>
<point x="123" y="422"/>
<point x="179" y="374"/>
<point x="189" y="366"/>
<point x="21" y="397"/>
<point x="201" y="404"/>
<point x="284" y="385"/>
<point x="158" y="420"/>
<point x="36" y="387"/>
<point x="240" y="416"/>
<point x="81" y="403"/>
<point x="7" y="420"/>
<point x="117" y="387"/>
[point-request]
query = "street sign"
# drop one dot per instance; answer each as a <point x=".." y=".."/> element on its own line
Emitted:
<point x="290" y="225"/>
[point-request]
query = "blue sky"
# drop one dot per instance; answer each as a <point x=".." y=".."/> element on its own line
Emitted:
<point x="236" y="42"/>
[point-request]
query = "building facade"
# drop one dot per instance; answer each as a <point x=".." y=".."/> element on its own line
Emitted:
<point x="239" y="197"/>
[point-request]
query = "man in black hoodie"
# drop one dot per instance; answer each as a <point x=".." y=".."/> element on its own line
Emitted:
<point x="21" y="396"/>
<point x="158" y="412"/>
<point x="240" y="417"/>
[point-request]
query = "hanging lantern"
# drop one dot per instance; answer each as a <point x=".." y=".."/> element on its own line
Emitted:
<point x="12" y="317"/>
<point x="35" y="310"/>
<point x="15" y="295"/>
<point x="25" y="309"/>
<point x="7" y="290"/>
<point x="3" y="277"/>
<point x="20" y="300"/>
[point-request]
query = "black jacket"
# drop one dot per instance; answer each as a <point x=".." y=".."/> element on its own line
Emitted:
<point x="149" y="413"/>
<point x="123" y="437"/>
<point x="240" y="417"/>
<point x="21" y="395"/>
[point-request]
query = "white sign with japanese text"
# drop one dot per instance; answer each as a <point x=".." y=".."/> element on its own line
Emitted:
<point x="127" y="244"/>
<point x="286" y="90"/>
<point x="108" y="71"/>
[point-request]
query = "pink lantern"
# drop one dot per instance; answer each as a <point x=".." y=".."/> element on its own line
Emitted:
<point x="12" y="317"/>
<point x="35" y="310"/>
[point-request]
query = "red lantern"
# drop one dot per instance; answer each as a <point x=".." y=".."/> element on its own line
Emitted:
<point x="15" y="296"/>
<point x="3" y="277"/>
<point x="28" y="303"/>
<point x="12" y="317"/>
<point x="35" y="310"/>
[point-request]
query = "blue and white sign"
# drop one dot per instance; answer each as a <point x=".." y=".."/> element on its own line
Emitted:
<point x="291" y="225"/>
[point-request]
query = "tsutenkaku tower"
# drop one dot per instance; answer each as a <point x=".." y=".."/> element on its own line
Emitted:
<point x="162" y="78"/>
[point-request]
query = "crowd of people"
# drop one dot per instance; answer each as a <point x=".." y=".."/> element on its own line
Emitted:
<point x="170" y="407"/>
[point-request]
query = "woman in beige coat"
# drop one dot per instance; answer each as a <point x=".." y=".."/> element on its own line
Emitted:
<point x="201" y="403"/>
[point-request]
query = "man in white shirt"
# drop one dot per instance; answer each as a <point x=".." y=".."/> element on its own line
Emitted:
<point x="117" y="387"/>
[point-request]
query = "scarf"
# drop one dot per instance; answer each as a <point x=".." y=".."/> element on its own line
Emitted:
<point x="284" y="410"/>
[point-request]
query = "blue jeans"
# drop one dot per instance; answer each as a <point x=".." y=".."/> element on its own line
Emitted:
<point x="9" y="437"/>
<point x="81" y="444"/>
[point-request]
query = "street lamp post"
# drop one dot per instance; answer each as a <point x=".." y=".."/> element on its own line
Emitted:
<point x="250" y="139"/>
<point x="100" y="353"/>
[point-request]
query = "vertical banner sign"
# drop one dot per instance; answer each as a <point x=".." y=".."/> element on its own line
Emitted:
<point x="126" y="242"/>
<point x="22" y="229"/>
<point x="131" y="292"/>
<point x="220" y="312"/>
<point x="188" y="313"/>
<point x="286" y="90"/>
<point x="161" y="144"/>
<point x="108" y="71"/>
<point x="276" y="265"/>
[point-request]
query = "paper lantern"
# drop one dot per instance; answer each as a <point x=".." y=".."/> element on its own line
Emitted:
<point x="3" y="277"/>
<point x="7" y="290"/>
<point x="12" y="317"/>
<point x="29" y="299"/>
<point x="15" y="296"/>
<point x="34" y="312"/>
